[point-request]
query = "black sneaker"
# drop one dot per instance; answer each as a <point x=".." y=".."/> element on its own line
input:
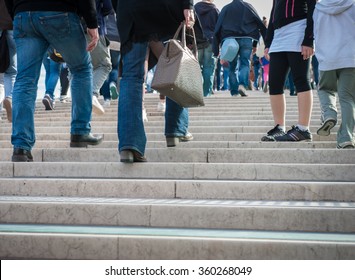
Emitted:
<point x="295" y="135"/>
<point x="276" y="131"/>
<point x="48" y="102"/>
<point x="21" y="155"/>
<point x="327" y="125"/>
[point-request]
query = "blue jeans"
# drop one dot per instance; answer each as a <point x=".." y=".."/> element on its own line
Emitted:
<point x="208" y="65"/>
<point x="245" y="49"/>
<point x="112" y="76"/>
<point x="52" y="75"/>
<point x="33" y="33"/>
<point x="130" y="126"/>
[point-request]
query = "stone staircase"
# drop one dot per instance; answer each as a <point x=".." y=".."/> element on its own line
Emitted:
<point x="225" y="195"/>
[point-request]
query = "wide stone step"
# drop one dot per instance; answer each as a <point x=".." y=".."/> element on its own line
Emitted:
<point x="181" y="213"/>
<point x="160" y="136"/>
<point x="137" y="243"/>
<point x="42" y="144"/>
<point x="235" y="155"/>
<point x="184" y="189"/>
<point x="210" y="171"/>
<point x="159" y="129"/>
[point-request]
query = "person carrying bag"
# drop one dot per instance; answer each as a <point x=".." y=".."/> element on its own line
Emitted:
<point x="178" y="73"/>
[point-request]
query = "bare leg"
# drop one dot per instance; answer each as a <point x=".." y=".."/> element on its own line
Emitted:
<point x="278" y="107"/>
<point x="305" y="105"/>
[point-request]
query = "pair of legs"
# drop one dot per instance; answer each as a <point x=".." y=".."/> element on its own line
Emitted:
<point x="34" y="32"/>
<point x="341" y="81"/>
<point x="242" y="61"/>
<point x="130" y="129"/>
<point x="7" y="79"/>
<point x="208" y="65"/>
<point x="280" y="63"/>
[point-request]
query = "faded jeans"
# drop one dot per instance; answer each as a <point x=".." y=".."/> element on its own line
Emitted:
<point x="33" y="33"/>
<point x="130" y="129"/>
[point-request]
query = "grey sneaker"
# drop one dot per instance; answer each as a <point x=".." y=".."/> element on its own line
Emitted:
<point x="327" y="125"/>
<point x="242" y="91"/>
<point x="346" y="145"/>
<point x="295" y="135"/>
<point x="271" y="134"/>
<point x="48" y="102"/>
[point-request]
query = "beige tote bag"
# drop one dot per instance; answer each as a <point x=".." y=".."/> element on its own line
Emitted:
<point x="178" y="73"/>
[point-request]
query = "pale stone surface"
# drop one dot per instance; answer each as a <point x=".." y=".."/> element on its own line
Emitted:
<point x="6" y="169"/>
<point x="58" y="246"/>
<point x="88" y="188"/>
<point x="209" y="249"/>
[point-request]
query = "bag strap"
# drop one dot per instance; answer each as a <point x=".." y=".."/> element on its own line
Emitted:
<point x="183" y="37"/>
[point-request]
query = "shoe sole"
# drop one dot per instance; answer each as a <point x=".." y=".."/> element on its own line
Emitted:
<point x="114" y="93"/>
<point x="8" y="108"/>
<point x="324" y="130"/>
<point x="47" y="104"/>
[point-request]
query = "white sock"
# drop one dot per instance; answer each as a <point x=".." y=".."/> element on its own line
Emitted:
<point x="303" y="128"/>
<point x="283" y="128"/>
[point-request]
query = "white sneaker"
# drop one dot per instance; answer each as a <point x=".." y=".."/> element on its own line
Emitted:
<point x="161" y="106"/>
<point x="96" y="106"/>
<point x="107" y="103"/>
<point x="144" y="115"/>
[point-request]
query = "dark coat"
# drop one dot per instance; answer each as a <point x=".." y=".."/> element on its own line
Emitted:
<point x="86" y="8"/>
<point x="142" y="20"/>
<point x="238" y="19"/>
<point x="5" y="19"/>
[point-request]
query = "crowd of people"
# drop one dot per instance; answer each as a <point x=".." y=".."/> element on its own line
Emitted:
<point x="111" y="47"/>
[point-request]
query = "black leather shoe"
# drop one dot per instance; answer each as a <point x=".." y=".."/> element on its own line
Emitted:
<point x="130" y="156"/>
<point x="21" y="155"/>
<point x="82" y="141"/>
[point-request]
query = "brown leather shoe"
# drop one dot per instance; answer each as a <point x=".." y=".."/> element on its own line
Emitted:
<point x="130" y="156"/>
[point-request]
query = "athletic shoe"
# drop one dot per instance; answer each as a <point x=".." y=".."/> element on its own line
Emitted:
<point x="113" y="90"/>
<point x="48" y="102"/>
<point x="161" y="106"/>
<point x="97" y="107"/>
<point x="271" y="134"/>
<point x="295" y="135"/>
<point x="327" y="125"/>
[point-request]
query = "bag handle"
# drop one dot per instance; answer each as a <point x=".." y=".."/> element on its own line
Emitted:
<point x="183" y="37"/>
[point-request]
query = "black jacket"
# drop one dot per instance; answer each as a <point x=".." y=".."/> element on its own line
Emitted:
<point x="5" y="19"/>
<point x="86" y="8"/>
<point x="238" y="19"/>
<point x="208" y="16"/>
<point x="142" y="20"/>
<point x="284" y="12"/>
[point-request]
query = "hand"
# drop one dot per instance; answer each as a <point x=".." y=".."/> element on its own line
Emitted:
<point x="94" y="38"/>
<point x="266" y="54"/>
<point x="189" y="18"/>
<point x="307" y="52"/>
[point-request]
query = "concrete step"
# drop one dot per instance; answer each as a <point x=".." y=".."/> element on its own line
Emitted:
<point x="207" y="128"/>
<point x="220" y="155"/>
<point x="184" y="189"/>
<point x="134" y="243"/>
<point x="166" y="170"/>
<point x="181" y="213"/>
<point x="160" y="136"/>
<point x="47" y="144"/>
